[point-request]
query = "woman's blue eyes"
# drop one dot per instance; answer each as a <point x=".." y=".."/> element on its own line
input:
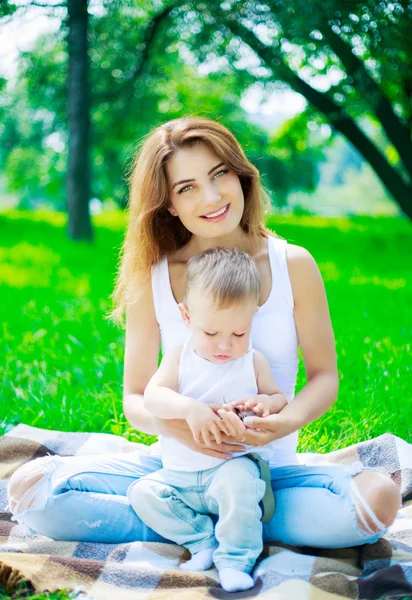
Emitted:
<point x="183" y="189"/>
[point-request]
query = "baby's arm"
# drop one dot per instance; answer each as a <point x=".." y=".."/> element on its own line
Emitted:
<point x="270" y="399"/>
<point x="163" y="400"/>
<point x="161" y="397"/>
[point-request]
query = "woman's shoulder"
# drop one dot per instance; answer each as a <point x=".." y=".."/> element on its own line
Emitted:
<point x="303" y="271"/>
<point x="298" y="256"/>
<point x="301" y="264"/>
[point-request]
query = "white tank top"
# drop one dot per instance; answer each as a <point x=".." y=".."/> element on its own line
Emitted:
<point x="212" y="384"/>
<point x="273" y="331"/>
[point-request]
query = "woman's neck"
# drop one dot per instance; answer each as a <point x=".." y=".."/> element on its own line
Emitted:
<point x="238" y="239"/>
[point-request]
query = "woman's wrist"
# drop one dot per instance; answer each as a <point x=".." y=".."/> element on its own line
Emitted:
<point x="289" y="421"/>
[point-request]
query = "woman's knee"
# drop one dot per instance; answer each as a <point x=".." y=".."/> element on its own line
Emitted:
<point x="380" y="494"/>
<point x="24" y="480"/>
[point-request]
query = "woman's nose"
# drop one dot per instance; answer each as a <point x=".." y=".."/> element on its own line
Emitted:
<point x="212" y="194"/>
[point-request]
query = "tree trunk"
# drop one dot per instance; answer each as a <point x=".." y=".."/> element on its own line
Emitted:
<point x="78" y="174"/>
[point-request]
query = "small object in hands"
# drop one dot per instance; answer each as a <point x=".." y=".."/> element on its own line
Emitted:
<point x="242" y="439"/>
<point x="244" y="413"/>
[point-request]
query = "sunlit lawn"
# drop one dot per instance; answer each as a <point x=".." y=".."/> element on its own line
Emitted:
<point x="61" y="361"/>
<point x="61" y="595"/>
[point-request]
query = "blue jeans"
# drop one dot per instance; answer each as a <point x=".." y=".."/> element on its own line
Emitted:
<point x="83" y="498"/>
<point x="178" y="505"/>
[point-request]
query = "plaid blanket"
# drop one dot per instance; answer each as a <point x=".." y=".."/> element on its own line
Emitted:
<point x="150" y="570"/>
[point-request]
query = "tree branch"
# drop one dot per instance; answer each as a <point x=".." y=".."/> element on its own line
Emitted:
<point x="47" y="5"/>
<point x="337" y="116"/>
<point x="149" y="35"/>
<point x="396" y="131"/>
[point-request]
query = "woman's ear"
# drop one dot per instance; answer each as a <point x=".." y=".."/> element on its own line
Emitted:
<point x="172" y="211"/>
<point x="184" y="311"/>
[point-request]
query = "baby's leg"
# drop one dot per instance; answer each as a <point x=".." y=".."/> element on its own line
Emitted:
<point x="176" y="512"/>
<point x="237" y="490"/>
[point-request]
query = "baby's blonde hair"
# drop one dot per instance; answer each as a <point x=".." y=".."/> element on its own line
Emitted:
<point x="228" y="275"/>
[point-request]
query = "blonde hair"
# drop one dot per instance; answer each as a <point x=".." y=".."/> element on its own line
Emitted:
<point x="227" y="274"/>
<point x="152" y="231"/>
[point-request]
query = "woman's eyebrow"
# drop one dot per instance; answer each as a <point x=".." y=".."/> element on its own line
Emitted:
<point x="188" y="180"/>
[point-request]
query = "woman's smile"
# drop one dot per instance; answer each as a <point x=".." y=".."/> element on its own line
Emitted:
<point x="217" y="215"/>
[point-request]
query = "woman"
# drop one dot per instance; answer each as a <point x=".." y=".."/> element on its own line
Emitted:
<point x="193" y="188"/>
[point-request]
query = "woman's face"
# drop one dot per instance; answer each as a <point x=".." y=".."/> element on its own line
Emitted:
<point x="204" y="194"/>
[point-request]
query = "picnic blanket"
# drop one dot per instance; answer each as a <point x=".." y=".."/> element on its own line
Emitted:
<point x="150" y="570"/>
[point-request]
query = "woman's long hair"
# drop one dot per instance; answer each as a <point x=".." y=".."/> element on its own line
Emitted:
<point x="152" y="231"/>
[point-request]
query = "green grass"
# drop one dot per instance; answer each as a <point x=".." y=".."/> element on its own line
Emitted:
<point x="62" y="595"/>
<point x="61" y="361"/>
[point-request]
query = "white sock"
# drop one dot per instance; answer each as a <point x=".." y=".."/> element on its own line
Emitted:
<point x="201" y="561"/>
<point x="235" y="581"/>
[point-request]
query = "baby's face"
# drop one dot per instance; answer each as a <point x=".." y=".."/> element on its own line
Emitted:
<point x="219" y="335"/>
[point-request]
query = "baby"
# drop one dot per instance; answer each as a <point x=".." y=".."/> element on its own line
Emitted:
<point x="216" y="365"/>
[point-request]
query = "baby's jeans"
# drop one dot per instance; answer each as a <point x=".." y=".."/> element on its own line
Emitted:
<point x="178" y="505"/>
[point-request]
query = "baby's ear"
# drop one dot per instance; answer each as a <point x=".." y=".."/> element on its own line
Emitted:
<point x="184" y="311"/>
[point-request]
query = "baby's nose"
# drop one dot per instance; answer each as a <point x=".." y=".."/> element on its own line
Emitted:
<point x="224" y="344"/>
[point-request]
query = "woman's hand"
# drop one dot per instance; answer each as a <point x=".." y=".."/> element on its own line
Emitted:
<point x="261" y="431"/>
<point x="180" y="430"/>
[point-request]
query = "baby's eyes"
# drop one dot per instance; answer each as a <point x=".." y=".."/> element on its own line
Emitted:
<point x="235" y="334"/>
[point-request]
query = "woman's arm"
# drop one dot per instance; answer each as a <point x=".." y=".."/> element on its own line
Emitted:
<point x="316" y="339"/>
<point x="315" y="336"/>
<point x="140" y="360"/>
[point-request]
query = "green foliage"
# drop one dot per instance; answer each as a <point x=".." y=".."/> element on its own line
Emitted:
<point x="61" y="365"/>
<point x="333" y="53"/>
<point x="303" y="34"/>
<point x="356" y="54"/>
<point x="7" y="8"/>
<point x="297" y="148"/>
<point x="131" y="92"/>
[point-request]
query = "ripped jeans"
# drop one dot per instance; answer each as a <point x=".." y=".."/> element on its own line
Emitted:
<point x="84" y="498"/>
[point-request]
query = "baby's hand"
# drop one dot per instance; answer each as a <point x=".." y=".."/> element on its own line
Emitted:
<point x="204" y="424"/>
<point x="217" y="407"/>
<point x="229" y="421"/>
<point x="262" y="404"/>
